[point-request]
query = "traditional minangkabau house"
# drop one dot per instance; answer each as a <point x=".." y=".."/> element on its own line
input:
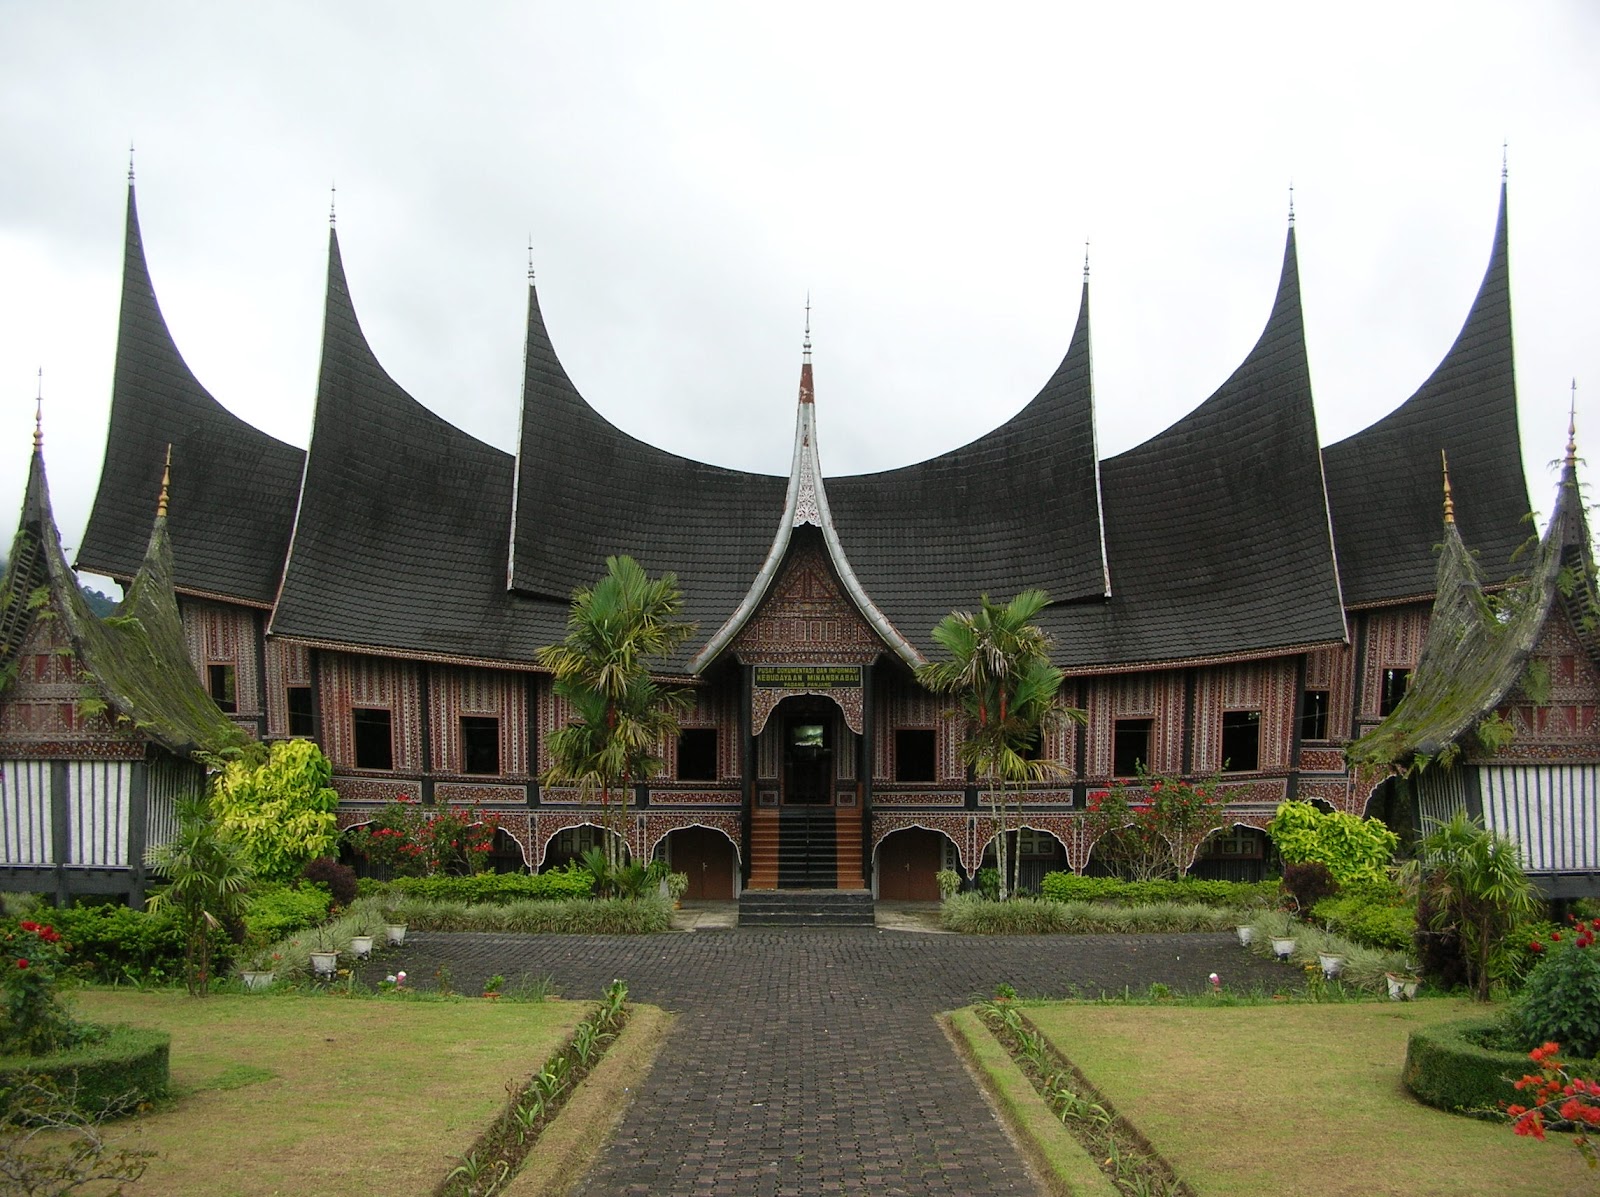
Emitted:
<point x="100" y="719"/>
<point x="1228" y="595"/>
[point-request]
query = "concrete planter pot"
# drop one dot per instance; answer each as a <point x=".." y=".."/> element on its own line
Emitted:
<point x="324" y="964"/>
<point x="396" y="933"/>
<point x="1282" y="948"/>
<point x="361" y="946"/>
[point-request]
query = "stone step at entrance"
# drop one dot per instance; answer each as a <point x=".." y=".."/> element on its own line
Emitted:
<point x="806" y="908"/>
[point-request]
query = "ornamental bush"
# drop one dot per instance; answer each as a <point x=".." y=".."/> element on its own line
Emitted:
<point x="33" y="1022"/>
<point x="1354" y="849"/>
<point x="1376" y="922"/>
<point x="1562" y="999"/>
<point x="1070" y="887"/>
<point x="280" y="811"/>
<point x="1153" y="828"/>
<point x="1308" y="883"/>
<point x="119" y="945"/>
<point x="574" y="881"/>
<point x="278" y="910"/>
<point x="410" y="840"/>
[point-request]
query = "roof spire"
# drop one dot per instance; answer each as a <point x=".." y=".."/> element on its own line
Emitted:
<point x="130" y="162"/>
<point x="1449" y="503"/>
<point x="1572" y="426"/>
<point x="166" y="485"/>
<point x="805" y="348"/>
<point x="38" y="414"/>
<point x="1086" y="259"/>
<point x="333" y="200"/>
<point x="1504" y="147"/>
<point x="530" y="259"/>
<point x="1291" y="203"/>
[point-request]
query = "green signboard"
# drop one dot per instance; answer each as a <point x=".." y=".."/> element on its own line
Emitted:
<point x="808" y="677"/>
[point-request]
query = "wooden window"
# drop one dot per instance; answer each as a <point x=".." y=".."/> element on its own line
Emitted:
<point x="1395" y="682"/>
<point x="916" y="754"/>
<point x="221" y="679"/>
<point x="1314" y="715"/>
<point x="480" y="744"/>
<point x="302" y="715"/>
<point x="1130" y="746"/>
<point x="1241" y="741"/>
<point x="697" y="754"/>
<point x="374" y="737"/>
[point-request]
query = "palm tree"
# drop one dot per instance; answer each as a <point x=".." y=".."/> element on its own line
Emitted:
<point x="999" y="670"/>
<point x="208" y="878"/>
<point x="621" y="717"/>
<point x="1479" y="891"/>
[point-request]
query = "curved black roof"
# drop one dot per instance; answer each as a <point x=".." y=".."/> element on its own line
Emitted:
<point x="399" y="542"/>
<point x="587" y="490"/>
<point x="1217" y="528"/>
<point x="929" y="538"/>
<point x="1383" y="482"/>
<point x="233" y="486"/>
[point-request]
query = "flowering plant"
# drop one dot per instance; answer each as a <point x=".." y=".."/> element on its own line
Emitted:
<point x="1152" y="828"/>
<point x="1562" y="998"/>
<point x="410" y="840"/>
<point x="1559" y="1102"/>
<point x="33" y="1021"/>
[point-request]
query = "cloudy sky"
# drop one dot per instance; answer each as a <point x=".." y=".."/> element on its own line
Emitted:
<point x="687" y="172"/>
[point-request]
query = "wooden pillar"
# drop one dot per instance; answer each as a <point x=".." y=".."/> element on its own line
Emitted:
<point x="425" y="703"/>
<point x="138" y="831"/>
<point x="533" y="739"/>
<point x="259" y="622"/>
<point x="60" y="826"/>
<point x="864" y="767"/>
<point x="747" y="764"/>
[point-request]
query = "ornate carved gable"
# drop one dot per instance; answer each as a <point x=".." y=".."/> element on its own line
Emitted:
<point x="1566" y="724"/>
<point x="43" y="713"/>
<point x="807" y="617"/>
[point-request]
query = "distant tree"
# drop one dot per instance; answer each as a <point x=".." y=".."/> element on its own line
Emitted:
<point x="1010" y="694"/>
<point x="621" y="717"/>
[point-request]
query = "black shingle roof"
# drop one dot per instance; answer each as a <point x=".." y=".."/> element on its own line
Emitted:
<point x="233" y="486"/>
<point x="1018" y="507"/>
<point x="1383" y="482"/>
<point x="587" y="490"/>
<point x="1217" y="528"/>
<point x="400" y="540"/>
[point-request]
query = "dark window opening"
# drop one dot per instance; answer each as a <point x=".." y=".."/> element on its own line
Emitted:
<point x="1032" y="749"/>
<point x="374" y="735"/>
<point x="915" y="754"/>
<point x="1241" y="741"/>
<point x="222" y="687"/>
<point x="302" y="716"/>
<point x="1130" y="746"/>
<point x="1395" y="682"/>
<point x="480" y="744"/>
<point x="1314" y="715"/>
<point x="697" y="754"/>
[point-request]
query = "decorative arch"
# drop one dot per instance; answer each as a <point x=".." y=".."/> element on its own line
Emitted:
<point x="659" y="827"/>
<point x="764" y="702"/>
<point x="549" y="826"/>
<point x="957" y="828"/>
<point x="914" y="823"/>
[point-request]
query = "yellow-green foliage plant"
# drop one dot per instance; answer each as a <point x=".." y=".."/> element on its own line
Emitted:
<point x="1354" y="849"/>
<point x="280" y="810"/>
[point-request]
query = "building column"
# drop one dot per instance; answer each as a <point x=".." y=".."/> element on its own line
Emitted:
<point x="747" y="768"/>
<point x="864" y="766"/>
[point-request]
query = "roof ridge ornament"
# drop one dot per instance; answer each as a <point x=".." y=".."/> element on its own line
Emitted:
<point x="805" y="348"/>
<point x="1086" y="259"/>
<point x="1504" y="149"/>
<point x="530" y="259"/>
<point x="333" y="202"/>
<point x="1572" y="426"/>
<point x="1449" y="503"/>
<point x="166" y="485"/>
<point x="1291" y="203"/>
<point x="130" y="162"/>
<point x="38" y="414"/>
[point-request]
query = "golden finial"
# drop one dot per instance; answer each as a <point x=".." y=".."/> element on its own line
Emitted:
<point x="1449" y="503"/>
<point x="38" y="414"/>
<point x="166" y="483"/>
<point x="807" y="346"/>
<point x="1572" y="426"/>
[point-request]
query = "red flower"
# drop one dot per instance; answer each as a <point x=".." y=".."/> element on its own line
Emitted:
<point x="1556" y="936"/>
<point x="1536" y="946"/>
<point x="22" y="963"/>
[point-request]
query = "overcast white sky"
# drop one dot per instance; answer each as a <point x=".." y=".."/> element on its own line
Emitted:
<point x="688" y="171"/>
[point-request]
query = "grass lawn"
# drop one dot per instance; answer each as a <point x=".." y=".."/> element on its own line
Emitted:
<point x="290" y="1095"/>
<point x="1298" y="1099"/>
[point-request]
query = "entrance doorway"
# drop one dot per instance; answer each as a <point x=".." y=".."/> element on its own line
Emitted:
<point x="705" y="856"/>
<point x="808" y="758"/>
<point x="908" y="864"/>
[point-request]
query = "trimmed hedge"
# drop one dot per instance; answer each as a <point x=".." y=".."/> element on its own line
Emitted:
<point x="118" y="944"/>
<point x="1377" y="923"/>
<point x="128" y="1060"/>
<point x="1447" y="1067"/>
<point x="570" y="916"/>
<point x="498" y="888"/>
<point x="973" y="914"/>
<point x="1070" y="887"/>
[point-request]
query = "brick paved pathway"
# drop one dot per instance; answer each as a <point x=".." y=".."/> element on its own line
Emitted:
<point x="808" y="1061"/>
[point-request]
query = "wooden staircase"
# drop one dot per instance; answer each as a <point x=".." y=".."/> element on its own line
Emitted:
<point x="763" y="848"/>
<point x="795" y="852"/>
<point x="847" y="847"/>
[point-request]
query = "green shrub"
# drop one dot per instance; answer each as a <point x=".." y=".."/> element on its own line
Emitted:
<point x="972" y="914"/>
<point x="1562" y="1001"/>
<point x="278" y="910"/>
<point x="127" y="1060"/>
<point x="1379" y="923"/>
<point x="279" y="810"/>
<point x="1070" y="887"/>
<point x="1354" y="849"/>
<point x="566" y="916"/>
<point x="574" y="882"/>
<point x="117" y="944"/>
<point x="1447" y="1066"/>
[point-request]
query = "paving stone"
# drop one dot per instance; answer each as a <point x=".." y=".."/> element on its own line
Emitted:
<point x="808" y="1061"/>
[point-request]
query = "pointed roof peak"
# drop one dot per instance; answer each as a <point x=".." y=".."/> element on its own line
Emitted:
<point x="38" y="415"/>
<point x="1504" y="150"/>
<point x="1572" y="427"/>
<point x="1291" y="203"/>
<point x="333" y="204"/>
<point x="1449" y="503"/>
<point x="805" y="348"/>
<point x="1086" y="261"/>
<point x="530" y="259"/>
<point x="166" y="485"/>
<point x="130" y="163"/>
<point x="807" y="391"/>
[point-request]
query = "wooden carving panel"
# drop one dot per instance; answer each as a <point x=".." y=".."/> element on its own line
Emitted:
<point x="39" y="714"/>
<point x="1265" y="686"/>
<point x="1158" y="696"/>
<point x="1333" y="669"/>
<point x="807" y="617"/>
<point x="1567" y="726"/>
<point x="349" y="682"/>
<point x="288" y="664"/>
<point x="492" y="693"/>
<point x="222" y="634"/>
<point x="1393" y="640"/>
